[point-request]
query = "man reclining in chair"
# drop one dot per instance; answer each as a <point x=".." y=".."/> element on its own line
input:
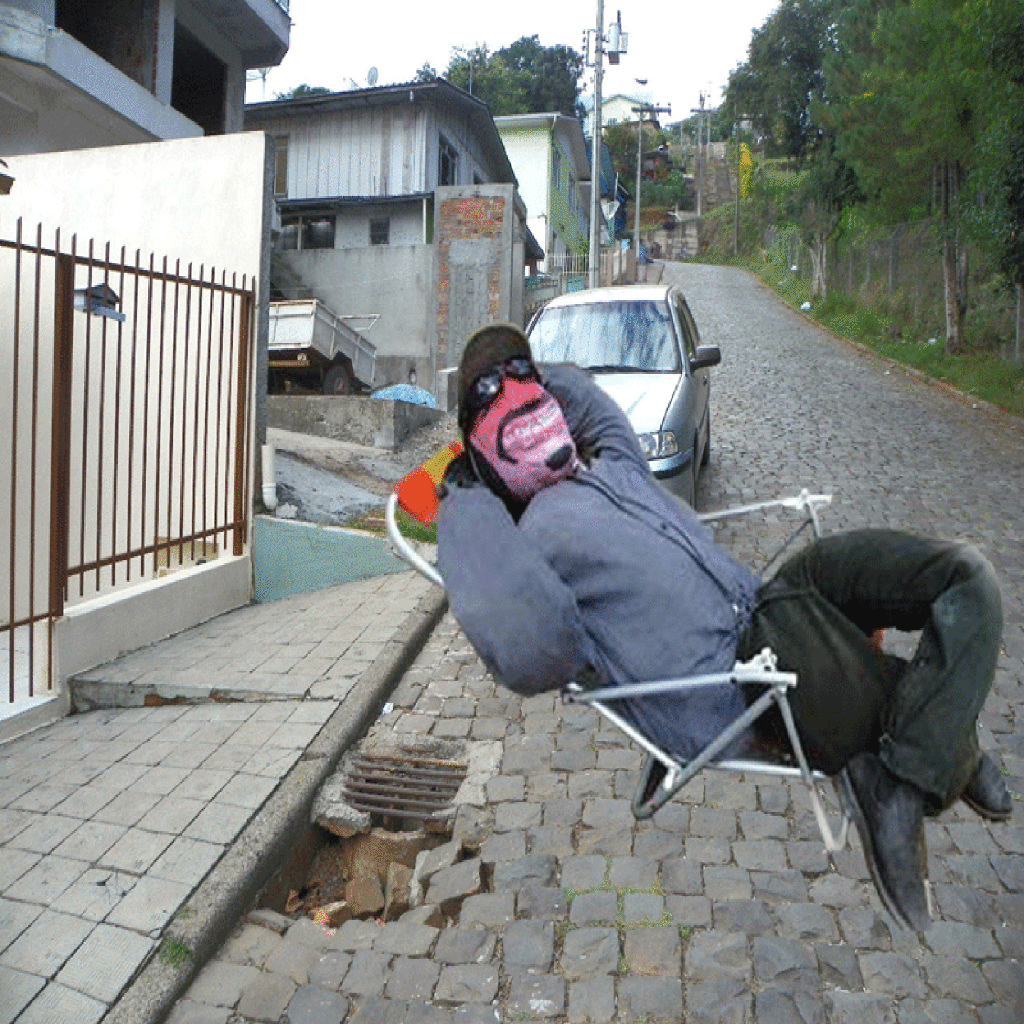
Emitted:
<point x="564" y="560"/>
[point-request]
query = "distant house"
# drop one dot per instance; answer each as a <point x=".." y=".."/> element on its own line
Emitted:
<point x="77" y="74"/>
<point x="398" y="209"/>
<point x="549" y="155"/>
<point x="615" y="109"/>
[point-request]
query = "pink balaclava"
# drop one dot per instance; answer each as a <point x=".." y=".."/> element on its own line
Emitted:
<point x="520" y="436"/>
<point x="523" y="437"/>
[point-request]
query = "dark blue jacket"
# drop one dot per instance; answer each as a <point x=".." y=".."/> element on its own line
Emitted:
<point x="605" y="575"/>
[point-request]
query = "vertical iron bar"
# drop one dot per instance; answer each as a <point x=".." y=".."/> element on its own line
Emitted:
<point x="85" y="421"/>
<point x="131" y="419"/>
<point x="34" y="469"/>
<point x="145" y="416"/>
<point x="114" y="553"/>
<point x="195" y="409"/>
<point x="217" y="437"/>
<point x="14" y="452"/>
<point x="184" y="423"/>
<point x="227" y="419"/>
<point x="206" y="406"/>
<point x="60" y="438"/>
<point x="101" y="416"/>
<point x="170" y="425"/>
<point x="250" y="348"/>
<point x="159" y="416"/>
<point x="240" y="431"/>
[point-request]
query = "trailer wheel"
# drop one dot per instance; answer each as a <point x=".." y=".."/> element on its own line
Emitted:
<point x="337" y="381"/>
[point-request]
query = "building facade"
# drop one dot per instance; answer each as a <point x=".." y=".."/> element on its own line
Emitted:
<point x="77" y="75"/>
<point x="359" y="180"/>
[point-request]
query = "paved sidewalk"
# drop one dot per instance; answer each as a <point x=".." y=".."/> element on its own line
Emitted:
<point x="129" y="833"/>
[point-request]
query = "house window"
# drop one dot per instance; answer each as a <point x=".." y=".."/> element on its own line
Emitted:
<point x="448" y="163"/>
<point x="314" y="232"/>
<point x="318" y="232"/>
<point x="281" y="165"/>
<point x="556" y="170"/>
<point x="380" y="230"/>
<point x="573" y="196"/>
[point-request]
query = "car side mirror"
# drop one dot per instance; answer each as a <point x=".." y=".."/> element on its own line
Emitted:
<point x="706" y="355"/>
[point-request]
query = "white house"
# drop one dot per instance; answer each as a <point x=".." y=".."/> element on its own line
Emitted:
<point x="360" y="180"/>
<point x="77" y="74"/>
<point x="616" y="109"/>
<point x="549" y="155"/>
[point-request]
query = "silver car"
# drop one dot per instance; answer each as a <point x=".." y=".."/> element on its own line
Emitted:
<point x="642" y="346"/>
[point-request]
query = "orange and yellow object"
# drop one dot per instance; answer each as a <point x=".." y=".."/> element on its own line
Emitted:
<point x="417" y="492"/>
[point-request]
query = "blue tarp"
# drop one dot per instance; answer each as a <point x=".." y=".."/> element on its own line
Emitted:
<point x="406" y="393"/>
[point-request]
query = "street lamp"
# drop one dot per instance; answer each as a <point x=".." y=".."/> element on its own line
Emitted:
<point x="639" y="111"/>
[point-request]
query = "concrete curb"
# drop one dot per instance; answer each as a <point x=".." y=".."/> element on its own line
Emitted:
<point x="200" y="927"/>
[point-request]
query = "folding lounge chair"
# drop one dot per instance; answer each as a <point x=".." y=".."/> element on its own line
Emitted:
<point x="663" y="775"/>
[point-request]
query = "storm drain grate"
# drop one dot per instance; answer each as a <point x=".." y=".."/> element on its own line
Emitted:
<point x="402" y="786"/>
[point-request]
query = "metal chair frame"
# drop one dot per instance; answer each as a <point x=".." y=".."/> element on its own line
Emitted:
<point x="761" y="669"/>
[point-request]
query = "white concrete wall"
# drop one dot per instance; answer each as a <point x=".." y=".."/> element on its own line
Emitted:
<point x="396" y="281"/>
<point x="200" y="201"/>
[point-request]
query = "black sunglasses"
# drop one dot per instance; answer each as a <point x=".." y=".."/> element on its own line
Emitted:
<point x="486" y="388"/>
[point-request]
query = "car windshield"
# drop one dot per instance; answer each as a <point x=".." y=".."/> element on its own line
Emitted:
<point x="623" y="335"/>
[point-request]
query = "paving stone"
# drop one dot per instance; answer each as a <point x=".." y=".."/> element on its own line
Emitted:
<point x="464" y="946"/>
<point x="689" y="911"/>
<point x="47" y="944"/>
<point x="594" y="908"/>
<point x="864" y="928"/>
<point x="367" y="973"/>
<point x="548" y="904"/>
<point x="858" y="1008"/>
<point x="187" y="1012"/>
<point x="535" y="870"/>
<point x="632" y="873"/>
<point x="312" y="1005"/>
<point x="267" y="997"/>
<point x="489" y="910"/>
<point x="536" y="996"/>
<point x="57" y="1003"/>
<point x="789" y="1007"/>
<point x="892" y="973"/>
<point x="653" y="951"/>
<point x="329" y="970"/>
<point x="951" y="938"/>
<point x="250" y="944"/>
<point x="656" y="845"/>
<point x="467" y="983"/>
<point x="451" y="885"/>
<point x="839" y="966"/>
<point x="528" y="945"/>
<point x="592" y="999"/>
<point x="515" y="815"/>
<point x="503" y="846"/>
<point x="715" y="955"/>
<point x="553" y="840"/>
<point x="642" y="908"/>
<point x="105" y="962"/>
<point x="294" y="959"/>
<point x="682" y="875"/>
<point x="752" y="917"/>
<point x="784" y="964"/>
<point x="807" y="922"/>
<point x="718" y="1001"/>
<point x="658" y="999"/>
<point x="956" y="978"/>
<point x="725" y="882"/>
<point x="17" y="990"/>
<point x="412" y="978"/>
<point x="405" y="939"/>
<point x="582" y="873"/>
<point x="589" y="951"/>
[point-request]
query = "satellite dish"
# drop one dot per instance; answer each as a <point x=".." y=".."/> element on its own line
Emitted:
<point x="371" y="77"/>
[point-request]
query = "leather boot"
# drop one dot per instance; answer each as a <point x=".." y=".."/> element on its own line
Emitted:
<point x="986" y="792"/>
<point x="889" y="815"/>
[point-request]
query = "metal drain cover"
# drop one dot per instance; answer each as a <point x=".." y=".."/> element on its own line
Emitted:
<point x="405" y="785"/>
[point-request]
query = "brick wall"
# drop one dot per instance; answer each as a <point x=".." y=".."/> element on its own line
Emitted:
<point x="475" y="260"/>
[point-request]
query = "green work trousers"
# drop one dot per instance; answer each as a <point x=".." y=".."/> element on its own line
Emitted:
<point x="818" y="614"/>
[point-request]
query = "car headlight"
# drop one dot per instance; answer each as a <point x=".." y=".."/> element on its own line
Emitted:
<point x="659" y="444"/>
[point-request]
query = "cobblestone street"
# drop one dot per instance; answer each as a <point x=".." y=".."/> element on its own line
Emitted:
<point x="723" y="907"/>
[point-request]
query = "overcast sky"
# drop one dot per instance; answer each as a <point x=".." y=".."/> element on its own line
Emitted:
<point x="682" y="49"/>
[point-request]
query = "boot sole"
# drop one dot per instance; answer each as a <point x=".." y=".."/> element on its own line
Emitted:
<point x="986" y="812"/>
<point x="851" y="805"/>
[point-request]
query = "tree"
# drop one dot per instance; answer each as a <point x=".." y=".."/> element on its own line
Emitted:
<point x="995" y="41"/>
<point x="908" y="126"/>
<point x="523" y="78"/>
<point x="783" y="76"/>
<point x="427" y="73"/>
<point x="302" y="90"/>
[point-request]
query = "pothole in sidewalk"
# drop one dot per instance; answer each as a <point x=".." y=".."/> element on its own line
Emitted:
<point x="380" y="840"/>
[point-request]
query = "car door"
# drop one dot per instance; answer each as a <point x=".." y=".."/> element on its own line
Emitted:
<point x="699" y="379"/>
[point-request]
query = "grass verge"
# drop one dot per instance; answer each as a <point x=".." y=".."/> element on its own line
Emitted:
<point x="979" y="374"/>
<point x="412" y="529"/>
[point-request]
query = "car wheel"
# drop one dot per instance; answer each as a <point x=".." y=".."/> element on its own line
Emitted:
<point x="706" y="457"/>
<point x="337" y="381"/>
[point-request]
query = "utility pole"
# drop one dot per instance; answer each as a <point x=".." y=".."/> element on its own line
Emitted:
<point x="639" y="111"/>
<point x="617" y="46"/>
<point x="700" y="154"/>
